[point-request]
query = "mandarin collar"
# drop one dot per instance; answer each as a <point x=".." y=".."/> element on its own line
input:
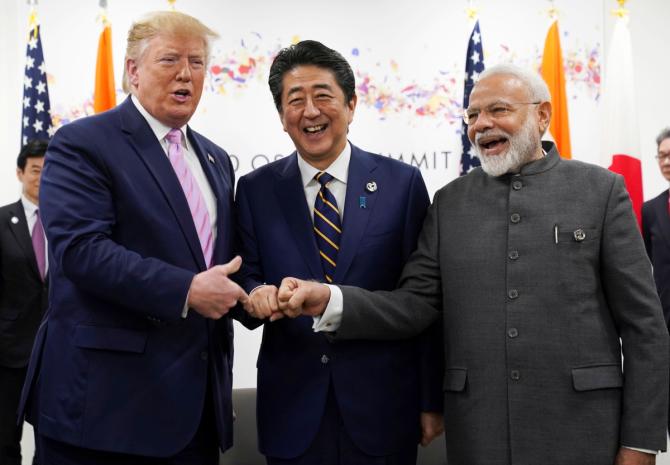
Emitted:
<point x="545" y="163"/>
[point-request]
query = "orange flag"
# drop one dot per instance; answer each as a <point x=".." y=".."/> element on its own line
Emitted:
<point x="554" y="76"/>
<point x="104" y="96"/>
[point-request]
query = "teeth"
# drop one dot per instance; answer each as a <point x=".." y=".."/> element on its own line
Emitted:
<point x="315" y="128"/>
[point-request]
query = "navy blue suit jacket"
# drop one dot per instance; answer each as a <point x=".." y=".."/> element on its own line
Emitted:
<point x="656" y="233"/>
<point x="115" y="367"/>
<point x="378" y="385"/>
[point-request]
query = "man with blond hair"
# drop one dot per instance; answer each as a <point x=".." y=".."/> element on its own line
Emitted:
<point x="133" y="361"/>
<point x="538" y="270"/>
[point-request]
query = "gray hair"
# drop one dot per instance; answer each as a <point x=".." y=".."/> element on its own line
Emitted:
<point x="536" y="86"/>
<point x="664" y="134"/>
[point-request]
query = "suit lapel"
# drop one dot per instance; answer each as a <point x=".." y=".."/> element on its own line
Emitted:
<point x="291" y="195"/>
<point x="219" y="186"/>
<point x="361" y="168"/>
<point x="21" y="233"/>
<point x="143" y="140"/>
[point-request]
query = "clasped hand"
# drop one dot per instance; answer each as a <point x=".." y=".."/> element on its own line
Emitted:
<point x="293" y="298"/>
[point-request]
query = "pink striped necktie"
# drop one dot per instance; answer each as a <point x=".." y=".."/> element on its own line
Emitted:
<point x="194" y="197"/>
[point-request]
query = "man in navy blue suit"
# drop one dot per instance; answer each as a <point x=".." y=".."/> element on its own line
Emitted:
<point x="334" y="213"/>
<point x="656" y="227"/>
<point x="133" y="361"/>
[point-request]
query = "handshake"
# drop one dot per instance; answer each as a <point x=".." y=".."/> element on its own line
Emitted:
<point x="213" y="294"/>
<point x="293" y="298"/>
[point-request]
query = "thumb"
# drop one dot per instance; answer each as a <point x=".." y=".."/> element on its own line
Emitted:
<point x="232" y="266"/>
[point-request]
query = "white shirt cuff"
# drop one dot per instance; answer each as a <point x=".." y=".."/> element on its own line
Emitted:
<point x="331" y="318"/>
<point x="646" y="451"/>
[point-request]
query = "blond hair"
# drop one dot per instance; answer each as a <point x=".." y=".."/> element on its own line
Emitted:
<point x="155" y="23"/>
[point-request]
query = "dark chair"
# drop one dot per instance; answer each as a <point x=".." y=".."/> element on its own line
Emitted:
<point x="245" y="440"/>
<point x="245" y="448"/>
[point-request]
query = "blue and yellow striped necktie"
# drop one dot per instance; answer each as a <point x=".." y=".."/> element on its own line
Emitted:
<point x="327" y="226"/>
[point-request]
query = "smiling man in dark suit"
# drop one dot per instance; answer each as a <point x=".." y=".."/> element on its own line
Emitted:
<point x="23" y="292"/>
<point x="133" y="361"/>
<point x="656" y="227"/>
<point x="334" y="213"/>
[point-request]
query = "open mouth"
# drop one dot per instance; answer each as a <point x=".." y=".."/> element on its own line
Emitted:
<point x="316" y="129"/>
<point x="181" y="94"/>
<point x="491" y="143"/>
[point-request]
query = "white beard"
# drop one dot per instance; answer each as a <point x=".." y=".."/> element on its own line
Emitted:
<point x="522" y="148"/>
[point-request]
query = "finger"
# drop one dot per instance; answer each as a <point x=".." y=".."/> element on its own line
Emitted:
<point x="232" y="266"/>
<point x="273" y="305"/>
<point x="286" y="289"/>
<point x="276" y="316"/>
<point x="284" y="297"/>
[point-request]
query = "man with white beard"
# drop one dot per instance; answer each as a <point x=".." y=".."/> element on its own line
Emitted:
<point x="539" y="271"/>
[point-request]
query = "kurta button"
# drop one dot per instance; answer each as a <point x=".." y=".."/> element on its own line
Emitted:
<point x="515" y="218"/>
<point x="324" y="359"/>
<point x="512" y="332"/>
<point x="513" y="254"/>
<point x="513" y="294"/>
<point x="203" y="355"/>
<point x="515" y="375"/>
<point x="516" y="185"/>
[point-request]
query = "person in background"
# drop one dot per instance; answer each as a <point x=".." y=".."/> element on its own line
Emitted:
<point x="23" y="292"/>
<point x="656" y="226"/>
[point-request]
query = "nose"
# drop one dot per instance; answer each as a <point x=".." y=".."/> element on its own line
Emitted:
<point x="184" y="73"/>
<point x="311" y="109"/>
<point x="483" y="122"/>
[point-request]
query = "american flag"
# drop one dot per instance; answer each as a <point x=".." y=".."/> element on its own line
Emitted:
<point x="36" y="121"/>
<point x="474" y="65"/>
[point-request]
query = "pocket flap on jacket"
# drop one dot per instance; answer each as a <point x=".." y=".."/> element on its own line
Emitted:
<point x="597" y="377"/>
<point x="101" y="337"/>
<point x="454" y="379"/>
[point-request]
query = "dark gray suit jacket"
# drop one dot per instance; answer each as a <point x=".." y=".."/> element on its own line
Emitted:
<point x="23" y="295"/>
<point x="543" y="281"/>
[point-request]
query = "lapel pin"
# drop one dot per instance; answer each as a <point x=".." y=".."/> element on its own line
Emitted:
<point x="361" y="202"/>
<point x="14" y="220"/>
<point x="579" y="235"/>
<point x="210" y="158"/>
<point x="371" y="186"/>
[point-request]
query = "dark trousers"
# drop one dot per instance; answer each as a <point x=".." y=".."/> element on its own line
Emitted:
<point x="202" y="450"/>
<point x="333" y="445"/>
<point x="11" y="382"/>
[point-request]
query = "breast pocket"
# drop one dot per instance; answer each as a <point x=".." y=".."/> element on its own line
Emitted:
<point x="578" y="249"/>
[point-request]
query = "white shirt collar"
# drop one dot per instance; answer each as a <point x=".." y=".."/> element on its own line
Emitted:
<point x="339" y="169"/>
<point x="159" y="129"/>
<point x="28" y="207"/>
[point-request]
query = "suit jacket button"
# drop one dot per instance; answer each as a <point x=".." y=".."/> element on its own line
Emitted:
<point x="513" y="254"/>
<point x="513" y="332"/>
<point x="513" y="294"/>
<point x="324" y="359"/>
<point x="515" y="218"/>
<point x="516" y="185"/>
<point x="515" y="375"/>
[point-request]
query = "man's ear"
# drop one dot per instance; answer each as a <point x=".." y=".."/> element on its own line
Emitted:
<point x="544" y="116"/>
